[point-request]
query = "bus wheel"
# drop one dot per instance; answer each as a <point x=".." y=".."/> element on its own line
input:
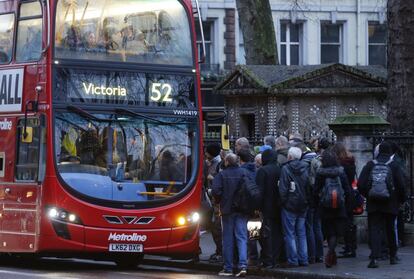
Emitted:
<point x="129" y="262"/>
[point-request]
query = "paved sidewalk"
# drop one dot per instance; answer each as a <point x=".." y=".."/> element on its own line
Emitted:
<point x="346" y="268"/>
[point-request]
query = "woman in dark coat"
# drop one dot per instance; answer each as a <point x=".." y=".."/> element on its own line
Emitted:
<point x="333" y="219"/>
<point x="347" y="161"/>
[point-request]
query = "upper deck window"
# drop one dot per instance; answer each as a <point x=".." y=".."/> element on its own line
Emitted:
<point x="6" y="37"/>
<point x="138" y="31"/>
<point x="29" y="32"/>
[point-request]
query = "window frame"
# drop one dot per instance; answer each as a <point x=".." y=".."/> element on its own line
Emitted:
<point x="385" y="44"/>
<point x="288" y="43"/>
<point x="13" y="38"/>
<point x="340" y="44"/>
<point x="208" y="43"/>
<point x="19" y="19"/>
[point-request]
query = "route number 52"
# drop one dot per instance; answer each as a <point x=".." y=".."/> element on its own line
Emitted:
<point x="161" y="92"/>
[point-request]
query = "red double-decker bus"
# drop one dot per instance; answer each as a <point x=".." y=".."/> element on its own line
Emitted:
<point x="100" y="129"/>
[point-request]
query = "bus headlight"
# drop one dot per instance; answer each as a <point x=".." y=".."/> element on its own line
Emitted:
<point x="53" y="213"/>
<point x="191" y="219"/>
<point x="62" y="215"/>
<point x="195" y="217"/>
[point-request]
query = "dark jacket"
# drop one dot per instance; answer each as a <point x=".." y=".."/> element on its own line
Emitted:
<point x="294" y="200"/>
<point x="267" y="178"/>
<point x="250" y="170"/>
<point x="349" y="167"/>
<point x="308" y="158"/>
<point x="225" y="184"/>
<point x="321" y="174"/>
<point x="397" y="196"/>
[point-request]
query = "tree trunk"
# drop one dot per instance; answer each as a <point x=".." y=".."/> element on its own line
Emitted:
<point x="256" y="23"/>
<point x="401" y="64"/>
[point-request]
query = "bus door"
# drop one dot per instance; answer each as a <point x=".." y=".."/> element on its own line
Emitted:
<point x="21" y="198"/>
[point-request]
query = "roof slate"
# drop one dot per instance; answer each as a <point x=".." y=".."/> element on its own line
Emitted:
<point x="266" y="76"/>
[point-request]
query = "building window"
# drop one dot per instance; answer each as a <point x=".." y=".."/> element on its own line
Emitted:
<point x="207" y="28"/>
<point x="331" y="43"/>
<point x="377" y="44"/>
<point x="241" y="52"/>
<point x="290" y="46"/>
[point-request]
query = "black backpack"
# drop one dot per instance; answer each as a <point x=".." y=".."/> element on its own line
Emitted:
<point x="332" y="194"/>
<point x="297" y="198"/>
<point x="248" y="197"/>
<point x="381" y="181"/>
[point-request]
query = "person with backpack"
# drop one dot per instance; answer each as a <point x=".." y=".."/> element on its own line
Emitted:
<point x="294" y="198"/>
<point x="347" y="161"/>
<point x="333" y="197"/>
<point x="226" y="186"/>
<point x="382" y="183"/>
<point x="212" y="163"/>
<point x="267" y="178"/>
<point x="311" y="234"/>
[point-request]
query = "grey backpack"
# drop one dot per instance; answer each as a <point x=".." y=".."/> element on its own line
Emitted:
<point x="381" y="182"/>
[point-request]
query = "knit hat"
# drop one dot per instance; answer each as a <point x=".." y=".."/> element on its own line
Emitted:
<point x="264" y="147"/>
<point x="213" y="149"/>
<point x="385" y="148"/>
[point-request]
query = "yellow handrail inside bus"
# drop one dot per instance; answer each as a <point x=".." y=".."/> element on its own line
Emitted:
<point x="167" y="192"/>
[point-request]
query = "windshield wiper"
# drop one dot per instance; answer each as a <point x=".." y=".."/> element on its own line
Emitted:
<point x="132" y="113"/>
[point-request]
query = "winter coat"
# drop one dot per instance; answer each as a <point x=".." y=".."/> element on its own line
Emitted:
<point x="267" y="178"/>
<point x="397" y="196"/>
<point x="224" y="187"/>
<point x="308" y="158"/>
<point x="250" y="170"/>
<point x="349" y="167"/>
<point x="289" y="201"/>
<point x="321" y="175"/>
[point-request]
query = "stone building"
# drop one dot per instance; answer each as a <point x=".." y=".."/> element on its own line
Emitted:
<point x="261" y="100"/>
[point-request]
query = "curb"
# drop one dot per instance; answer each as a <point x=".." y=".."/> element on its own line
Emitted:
<point x="277" y="273"/>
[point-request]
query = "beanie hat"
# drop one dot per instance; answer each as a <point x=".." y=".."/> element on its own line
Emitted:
<point x="213" y="149"/>
<point x="264" y="147"/>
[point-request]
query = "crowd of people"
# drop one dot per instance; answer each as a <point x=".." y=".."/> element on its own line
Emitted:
<point x="309" y="195"/>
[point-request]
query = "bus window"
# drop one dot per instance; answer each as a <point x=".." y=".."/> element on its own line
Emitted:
<point x="29" y="32"/>
<point x="6" y="37"/>
<point x="28" y="148"/>
<point x="138" y="31"/>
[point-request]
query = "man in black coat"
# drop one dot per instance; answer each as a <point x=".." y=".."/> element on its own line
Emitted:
<point x="267" y="178"/>
<point x="382" y="214"/>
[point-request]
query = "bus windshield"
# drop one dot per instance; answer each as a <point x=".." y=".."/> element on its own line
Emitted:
<point x="124" y="158"/>
<point x="137" y="31"/>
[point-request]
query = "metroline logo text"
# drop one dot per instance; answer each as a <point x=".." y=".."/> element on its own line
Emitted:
<point x="127" y="237"/>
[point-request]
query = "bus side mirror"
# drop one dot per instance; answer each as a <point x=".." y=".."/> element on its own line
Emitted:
<point x="27" y="135"/>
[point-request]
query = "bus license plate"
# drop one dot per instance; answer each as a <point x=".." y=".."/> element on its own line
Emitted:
<point x="132" y="248"/>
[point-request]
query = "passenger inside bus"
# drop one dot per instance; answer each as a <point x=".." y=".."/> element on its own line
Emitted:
<point x="89" y="148"/>
<point x="92" y="44"/>
<point x="168" y="167"/>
